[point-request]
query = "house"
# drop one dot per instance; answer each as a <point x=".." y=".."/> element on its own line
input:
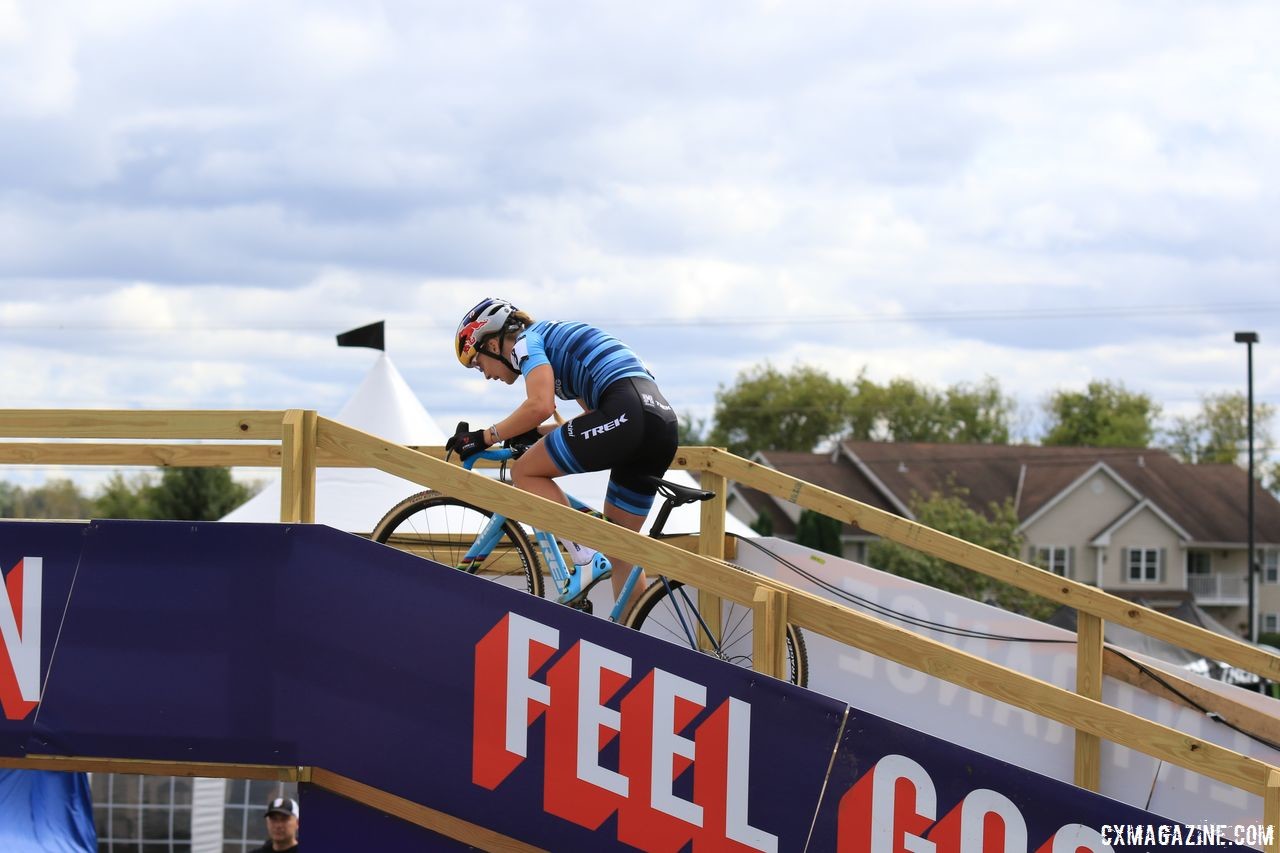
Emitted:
<point x="1135" y="522"/>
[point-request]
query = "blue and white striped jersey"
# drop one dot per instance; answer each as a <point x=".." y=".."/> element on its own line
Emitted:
<point x="584" y="359"/>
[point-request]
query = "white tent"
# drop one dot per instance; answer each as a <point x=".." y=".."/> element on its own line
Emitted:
<point x="355" y="499"/>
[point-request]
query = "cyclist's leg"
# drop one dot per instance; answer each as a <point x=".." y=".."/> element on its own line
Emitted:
<point x="631" y="492"/>
<point x="535" y="471"/>
<point x="582" y="444"/>
<point x="621" y="568"/>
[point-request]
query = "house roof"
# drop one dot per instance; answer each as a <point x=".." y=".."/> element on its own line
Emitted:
<point x="838" y="474"/>
<point x="1205" y="501"/>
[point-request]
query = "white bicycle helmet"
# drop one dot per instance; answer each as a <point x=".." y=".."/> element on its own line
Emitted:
<point x="490" y="317"/>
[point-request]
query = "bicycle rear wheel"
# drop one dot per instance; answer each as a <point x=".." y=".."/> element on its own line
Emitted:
<point x="670" y="611"/>
<point x="442" y="529"/>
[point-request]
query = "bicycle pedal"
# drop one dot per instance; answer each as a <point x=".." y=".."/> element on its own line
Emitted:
<point x="585" y="606"/>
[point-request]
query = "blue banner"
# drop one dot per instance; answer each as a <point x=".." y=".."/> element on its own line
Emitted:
<point x="300" y="645"/>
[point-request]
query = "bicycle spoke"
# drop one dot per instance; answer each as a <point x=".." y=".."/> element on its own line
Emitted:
<point x="443" y="530"/>
<point x="661" y="609"/>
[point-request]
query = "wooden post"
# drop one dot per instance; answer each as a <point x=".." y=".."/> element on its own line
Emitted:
<point x="711" y="544"/>
<point x="1089" y="684"/>
<point x="307" y="469"/>
<point x="292" y="443"/>
<point x="769" y="632"/>
<point x="1271" y="812"/>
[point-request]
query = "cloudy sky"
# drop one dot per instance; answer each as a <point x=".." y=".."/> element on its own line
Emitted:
<point x="195" y="197"/>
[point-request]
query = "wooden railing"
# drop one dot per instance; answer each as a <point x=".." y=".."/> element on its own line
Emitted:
<point x="307" y="441"/>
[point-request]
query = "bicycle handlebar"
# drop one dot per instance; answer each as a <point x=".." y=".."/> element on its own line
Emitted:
<point x="493" y="454"/>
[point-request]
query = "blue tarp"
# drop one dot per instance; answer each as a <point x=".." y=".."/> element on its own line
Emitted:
<point x="46" y="812"/>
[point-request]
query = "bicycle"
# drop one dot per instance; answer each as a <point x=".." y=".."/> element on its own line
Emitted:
<point x="454" y="533"/>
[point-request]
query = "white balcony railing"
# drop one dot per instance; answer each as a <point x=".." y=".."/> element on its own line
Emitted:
<point x="1218" y="589"/>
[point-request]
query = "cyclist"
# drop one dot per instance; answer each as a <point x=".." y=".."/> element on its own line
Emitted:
<point x="627" y="426"/>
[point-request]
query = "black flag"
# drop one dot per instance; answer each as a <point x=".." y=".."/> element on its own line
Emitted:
<point x="370" y="336"/>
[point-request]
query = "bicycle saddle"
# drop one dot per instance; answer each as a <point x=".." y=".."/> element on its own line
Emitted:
<point x="678" y="494"/>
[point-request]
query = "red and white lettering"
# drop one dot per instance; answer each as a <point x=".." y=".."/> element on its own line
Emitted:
<point x="670" y="749"/>
<point x="983" y="822"/>
<point x="508" y="699"/>
<point x="722" y="783"/>
<point x="20" y="636"/>
<point x="653" y="756"/>
<point x="579" y="726"/>
<point x="888" y="810"/>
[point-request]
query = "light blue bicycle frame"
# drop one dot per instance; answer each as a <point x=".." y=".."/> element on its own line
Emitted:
<point x="488" y="538"/>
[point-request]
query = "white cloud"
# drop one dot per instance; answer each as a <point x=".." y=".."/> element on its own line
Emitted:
<point x="196" y="196"/>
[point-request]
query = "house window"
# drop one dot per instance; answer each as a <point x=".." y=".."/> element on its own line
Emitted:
<point x="1269" y="563"/>
<point x="1051" y="558"/>
<point x="1269" y="623"/>
<point x="1144" y="565"/>
<point x="1199" y="563"/>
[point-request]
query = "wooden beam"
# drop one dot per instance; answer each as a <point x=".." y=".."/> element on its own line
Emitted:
<point x="693" y="458"/>
<point x="70" y="764"/>
<point x="291" y="450"/>
<point x="427" y="818"/>
<point x="810" y="611"/>
<point x="116" y="454"/>
<point x="653" y="554"/>
<point x="148" y="455"/>
<point x="375" y="798"/>
<point x="1083" y="597"/>
<point x="1271" y="811"/>
<point x="307" y="469"/>
<point x="711" y="545"/>
<point x="132" y="423"/>
<point x="769" y="632"/>
<point x="1189" y="694"/>
<point x="1023" y="691"/>
<point x="1088" y="770"/>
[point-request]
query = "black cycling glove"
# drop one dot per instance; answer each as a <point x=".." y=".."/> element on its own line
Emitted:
<point x="524" y="439"/>
<point x="466" y="443"/>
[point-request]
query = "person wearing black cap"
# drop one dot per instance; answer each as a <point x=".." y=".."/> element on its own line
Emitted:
<point x="282" y="825"/>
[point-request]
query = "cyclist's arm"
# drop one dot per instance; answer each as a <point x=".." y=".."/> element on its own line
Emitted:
<point x="538" y="406"/>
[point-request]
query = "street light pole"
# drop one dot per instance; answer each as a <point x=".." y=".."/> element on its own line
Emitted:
<point x="1249" y="339"/>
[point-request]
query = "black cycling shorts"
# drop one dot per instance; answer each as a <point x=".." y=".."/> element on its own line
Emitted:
<point x="633" y="434"/>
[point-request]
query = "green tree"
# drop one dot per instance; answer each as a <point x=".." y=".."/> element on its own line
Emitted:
<point x="196" y="494"/>
<point x="979" y="413"/>
<point x="819" y="532"/>
<point x="59" y="498"/>
<point x="123" y="498"/>
<point x="905" y="410"/>
<point x="9" y="497"/>
<point x="767" y="409"/>
<point x="1105" y="414"/>
<point x="949" y="512"/>
<point x="763" y="524"/>
<point x="1219" y="432"/>
<point x="691" y="431"/>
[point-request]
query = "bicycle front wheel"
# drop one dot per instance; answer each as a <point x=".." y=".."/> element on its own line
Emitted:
<point x="670" y="611"/>
<point x="442" y="529"/>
